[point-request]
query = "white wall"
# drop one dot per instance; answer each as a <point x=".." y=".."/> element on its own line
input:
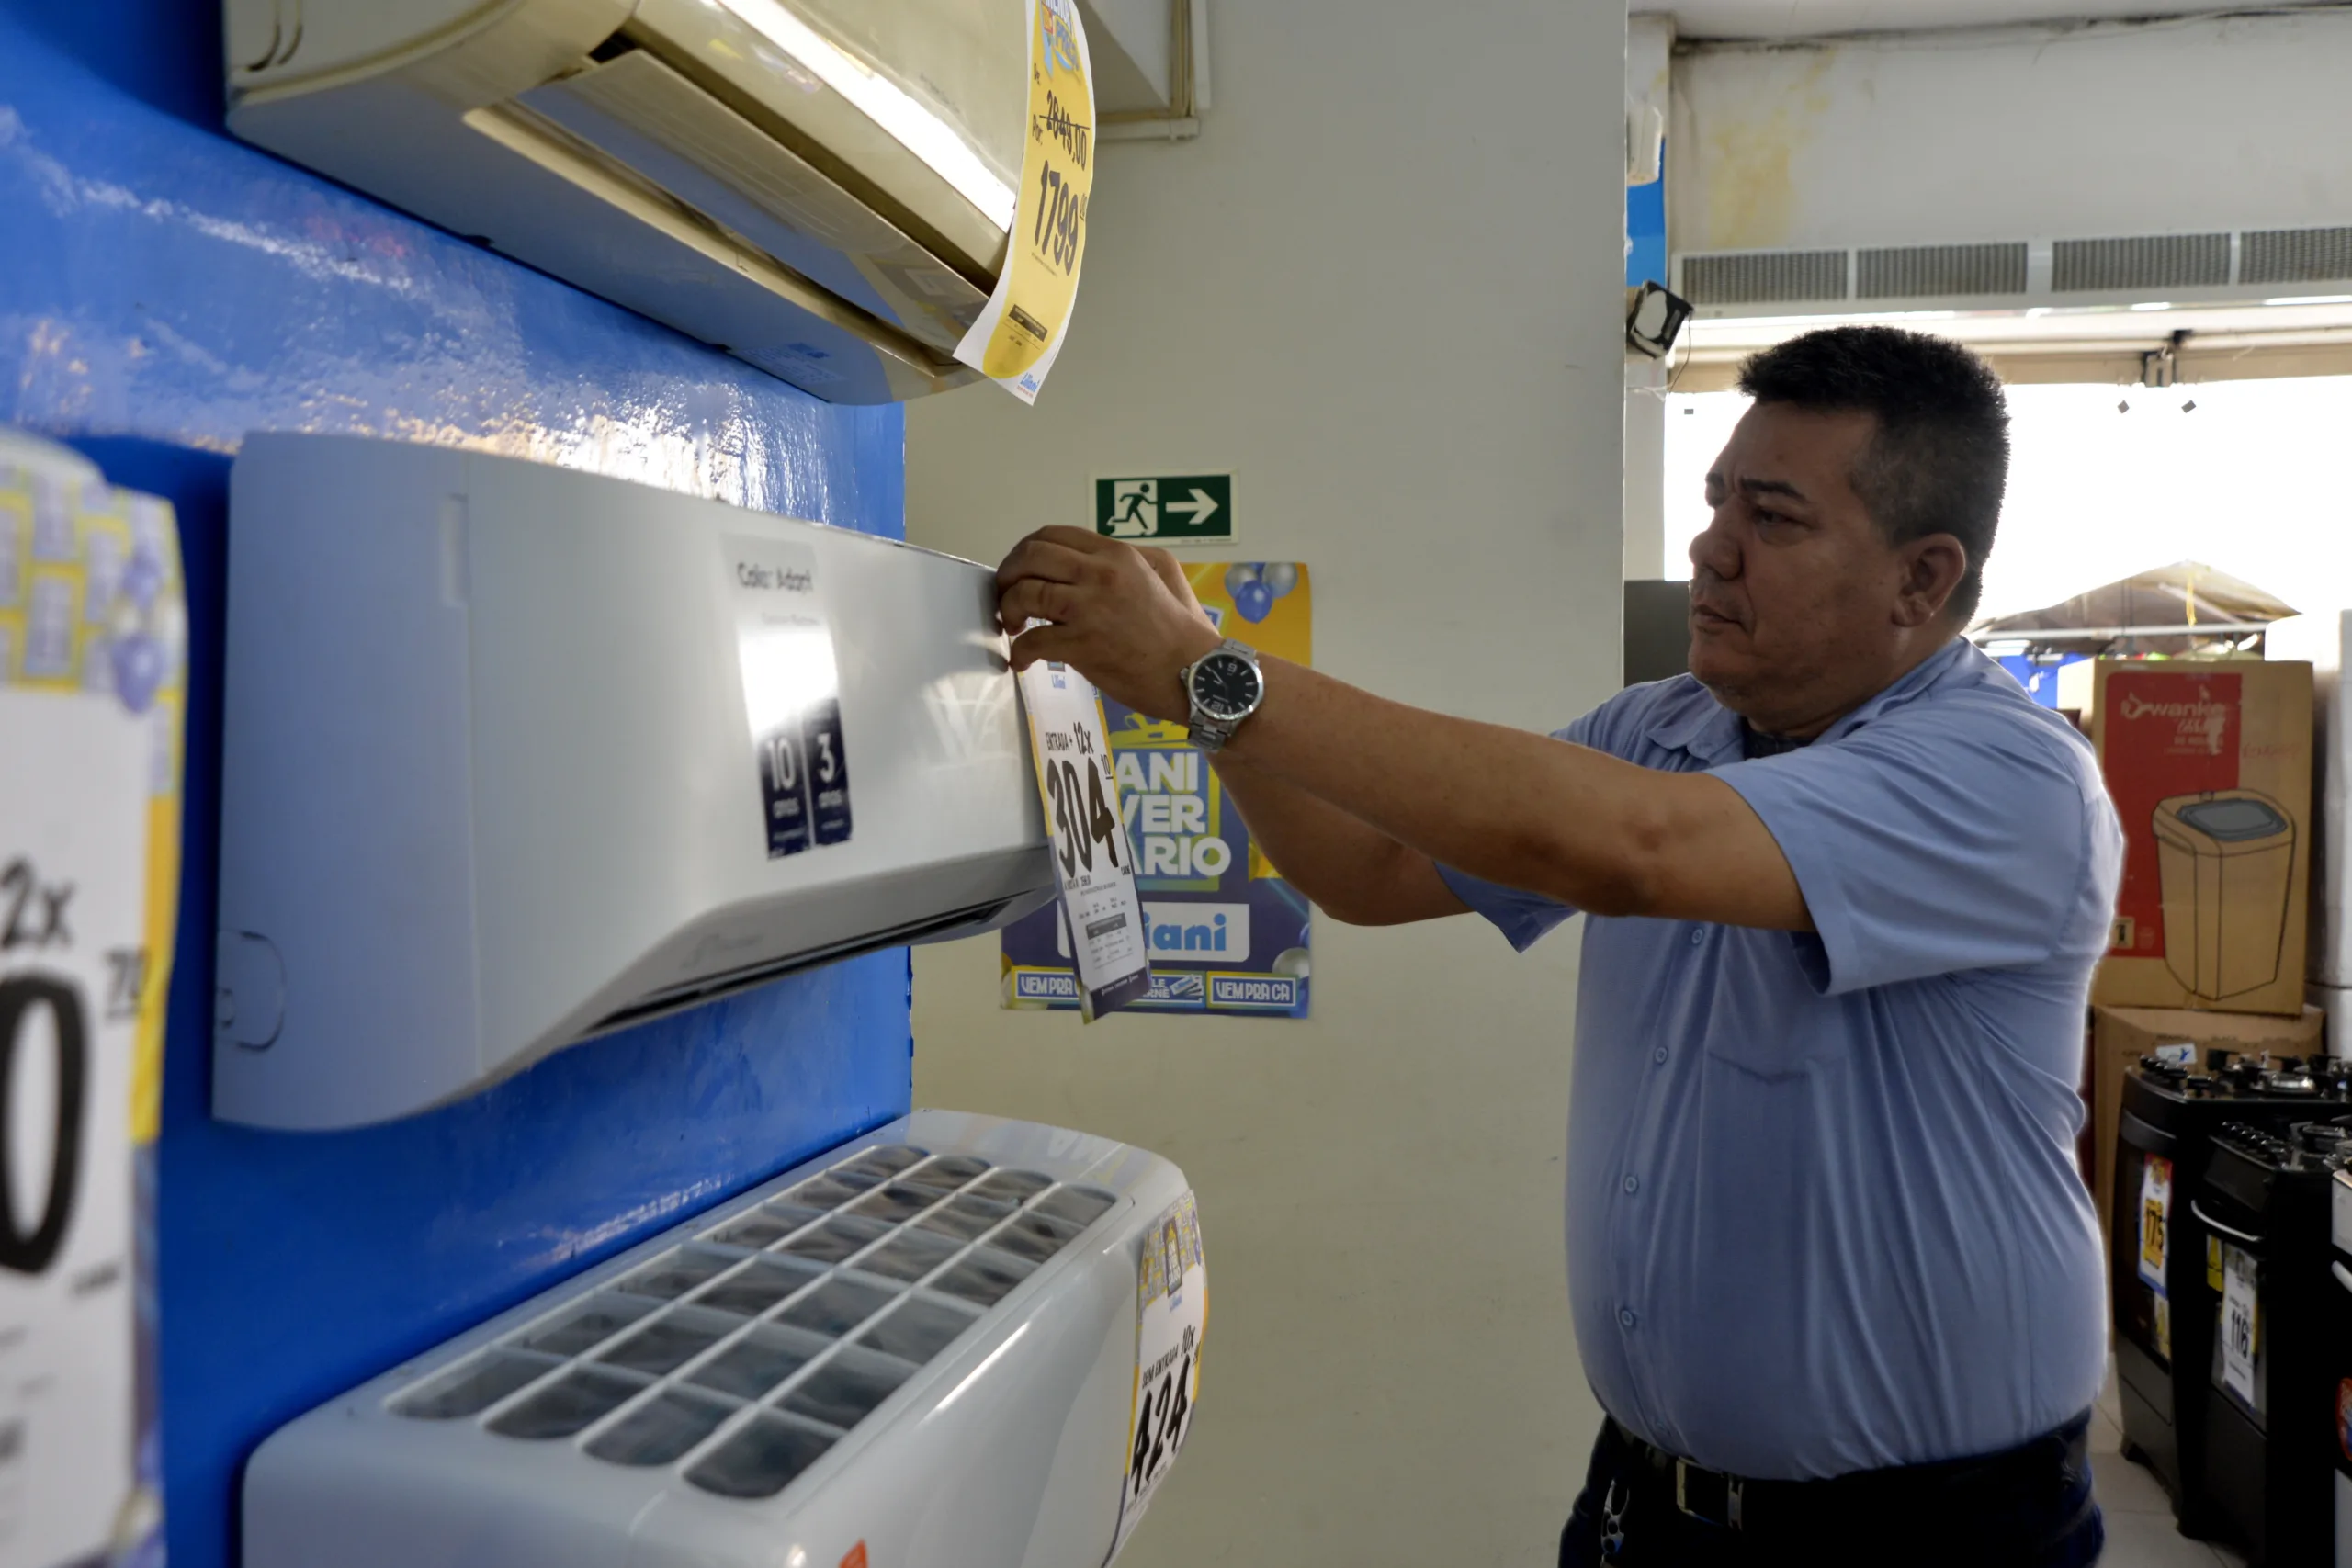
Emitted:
<point x="1384" y="288"/>
<point x="1914" y="139"/>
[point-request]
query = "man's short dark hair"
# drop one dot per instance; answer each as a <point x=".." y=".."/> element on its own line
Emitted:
<point x="1940" y="459"/>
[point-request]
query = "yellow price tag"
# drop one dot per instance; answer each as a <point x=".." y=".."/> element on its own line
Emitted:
<point x="2156" y="1219"/>
<point x="1019" y="334"/>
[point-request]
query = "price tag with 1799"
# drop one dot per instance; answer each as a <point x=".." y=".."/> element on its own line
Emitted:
<point x="1094" y="866"/>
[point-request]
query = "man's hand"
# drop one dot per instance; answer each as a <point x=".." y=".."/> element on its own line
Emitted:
<point x="1122" y="617"/>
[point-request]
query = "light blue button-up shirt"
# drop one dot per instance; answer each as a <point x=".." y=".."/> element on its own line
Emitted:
<point x="1823" y="1213"/>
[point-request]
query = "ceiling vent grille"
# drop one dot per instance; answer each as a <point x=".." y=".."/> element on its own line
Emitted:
<point x="2161" y="261"/>
<point x="1914" y="272"/>
<point x="2295" y="255"/>
<point x="1764" y="277"/>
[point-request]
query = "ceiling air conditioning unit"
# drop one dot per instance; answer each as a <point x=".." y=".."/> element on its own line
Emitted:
<point x="822" y="187"/>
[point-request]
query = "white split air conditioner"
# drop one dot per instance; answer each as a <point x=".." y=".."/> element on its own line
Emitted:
<point x="923" y="1350"/>
<point x="823" y="187"/>
<point x="516" y="756"/>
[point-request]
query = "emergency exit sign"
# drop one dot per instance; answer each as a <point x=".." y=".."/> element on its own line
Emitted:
<point x="1167" y="509"/>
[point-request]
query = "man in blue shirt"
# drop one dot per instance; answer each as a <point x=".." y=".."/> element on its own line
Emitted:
<point x="1833" y="1276"/>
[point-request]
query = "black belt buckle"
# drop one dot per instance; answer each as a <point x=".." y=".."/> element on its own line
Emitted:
<point x="1707" y="1496"/>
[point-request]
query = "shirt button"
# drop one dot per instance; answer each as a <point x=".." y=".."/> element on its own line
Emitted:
<point x="1697" y="936"/>
<point x="1633" y="1183"/>
<point x="1625" y="1318"/>
<point x="1658" y="1055"/>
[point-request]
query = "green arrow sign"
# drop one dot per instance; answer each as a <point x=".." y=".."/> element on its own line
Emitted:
<point x="1166" y="509"/>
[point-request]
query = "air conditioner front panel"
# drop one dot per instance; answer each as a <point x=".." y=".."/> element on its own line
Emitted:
<point x="646" y="117"/>
<point x="943" y="52"/>
<point x="604" y="230"/>
<point x="948" y="174"/>
<point x="518" y="791"/>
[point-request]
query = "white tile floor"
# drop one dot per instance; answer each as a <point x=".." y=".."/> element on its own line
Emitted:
<point x="2140" y="1533"/>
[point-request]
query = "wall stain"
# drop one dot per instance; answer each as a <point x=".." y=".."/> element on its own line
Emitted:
<point x="1751" y="195"/>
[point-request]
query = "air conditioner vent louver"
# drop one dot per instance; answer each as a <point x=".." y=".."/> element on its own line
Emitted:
<point x="1911" y="271"/>
<point x="2160" y="261"/>
<point x="2296" y="255"/>
<point x="1761" y="276"/>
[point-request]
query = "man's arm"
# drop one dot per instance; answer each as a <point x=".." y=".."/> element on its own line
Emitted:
<point x="1593" y="832"/>
<point x="1349" y="870"/>
<point x="1588" y="829"/>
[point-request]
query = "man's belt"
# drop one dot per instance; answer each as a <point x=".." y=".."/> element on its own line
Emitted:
<point x="2033" y="1480"/>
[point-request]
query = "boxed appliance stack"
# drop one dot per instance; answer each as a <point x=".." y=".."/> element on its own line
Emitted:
<point x="2319" y="639"/>
<point x="2211" y="1077"/>
<point x="2209" y="763"/>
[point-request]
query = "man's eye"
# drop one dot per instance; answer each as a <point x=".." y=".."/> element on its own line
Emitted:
<point x="1765" y="514"/>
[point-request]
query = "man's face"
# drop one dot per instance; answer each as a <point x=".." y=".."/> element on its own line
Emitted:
<point x="1793" y="590"/>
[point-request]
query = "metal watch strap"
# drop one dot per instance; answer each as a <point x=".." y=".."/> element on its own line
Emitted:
<point x="1208" y="734"/>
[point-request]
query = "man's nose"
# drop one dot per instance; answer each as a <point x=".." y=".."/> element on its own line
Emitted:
<point x="1714" y="551"/>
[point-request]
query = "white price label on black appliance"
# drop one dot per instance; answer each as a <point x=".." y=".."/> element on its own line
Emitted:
<point x="791" y="692"/>
<point x="1171" y="1324"/>
<point x="2241" y="1322"/>
<point x="1094" y="866"/>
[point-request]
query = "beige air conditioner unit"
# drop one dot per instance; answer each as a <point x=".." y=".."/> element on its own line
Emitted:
<point x="822" y="187"/>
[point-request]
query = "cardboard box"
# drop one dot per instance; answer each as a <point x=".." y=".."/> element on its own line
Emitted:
<point x="2321" y="639"/>
<point x="2209" y="765"/>
<point x="2120" y="1036"/>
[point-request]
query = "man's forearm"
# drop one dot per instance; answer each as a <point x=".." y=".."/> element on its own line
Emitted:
<point x="1348" y="869"/>
<point x="1521" y="808"/>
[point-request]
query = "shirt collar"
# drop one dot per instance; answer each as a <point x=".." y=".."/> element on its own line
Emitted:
<point x="1711" y="732"/>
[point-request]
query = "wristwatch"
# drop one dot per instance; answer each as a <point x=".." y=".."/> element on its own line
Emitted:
<point x="1226" y="687"/>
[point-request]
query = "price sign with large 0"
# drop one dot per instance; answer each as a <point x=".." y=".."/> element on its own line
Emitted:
<point x="1092" y="865"/>
<point x="1171" y="1325"/>
<point x="92" y="638"/>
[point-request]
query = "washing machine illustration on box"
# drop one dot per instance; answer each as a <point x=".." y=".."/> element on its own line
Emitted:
<point x="2225" y="862"/>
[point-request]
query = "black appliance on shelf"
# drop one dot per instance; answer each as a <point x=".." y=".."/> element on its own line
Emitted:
<point x="2338" y="1331"/>
<point x="2262" y="1218"/>
<point x="2164" y="1315"/>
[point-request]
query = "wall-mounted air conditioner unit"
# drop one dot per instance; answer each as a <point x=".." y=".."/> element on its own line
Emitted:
<point x="516" y="756"/>
<point x="926" y="1349"/>
<point x="822" y="187"/>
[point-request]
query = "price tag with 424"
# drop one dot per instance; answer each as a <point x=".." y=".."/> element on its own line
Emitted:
<point x="1172" y="1320"/>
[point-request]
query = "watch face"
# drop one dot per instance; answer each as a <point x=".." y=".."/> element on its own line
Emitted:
<point x="1226" y="685"/>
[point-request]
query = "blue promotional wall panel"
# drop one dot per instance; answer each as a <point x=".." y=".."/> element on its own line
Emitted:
<point x="164" y="290"/>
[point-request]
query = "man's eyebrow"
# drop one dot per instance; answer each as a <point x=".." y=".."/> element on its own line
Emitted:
<point x="1766" y="487"/>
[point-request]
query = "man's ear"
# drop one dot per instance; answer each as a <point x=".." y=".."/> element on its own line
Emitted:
<point x="1932" y="569"/>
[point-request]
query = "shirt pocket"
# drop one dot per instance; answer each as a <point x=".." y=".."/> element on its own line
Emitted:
<point x="1766" y="1014"/>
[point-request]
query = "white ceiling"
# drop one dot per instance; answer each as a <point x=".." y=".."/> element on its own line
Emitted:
<point x="1796" y="19"/>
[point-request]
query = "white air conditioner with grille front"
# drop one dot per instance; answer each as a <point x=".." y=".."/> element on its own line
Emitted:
<point x="824" y="187"/>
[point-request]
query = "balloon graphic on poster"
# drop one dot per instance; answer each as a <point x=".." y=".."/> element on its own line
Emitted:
<point x="1254" y="600"/>
<point x="1280" y="577"/>
<point x="1239" y="575"/>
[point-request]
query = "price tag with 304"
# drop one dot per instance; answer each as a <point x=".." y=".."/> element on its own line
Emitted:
<point x="1092" y="863"/>
<point x="1171" y="1322"/>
